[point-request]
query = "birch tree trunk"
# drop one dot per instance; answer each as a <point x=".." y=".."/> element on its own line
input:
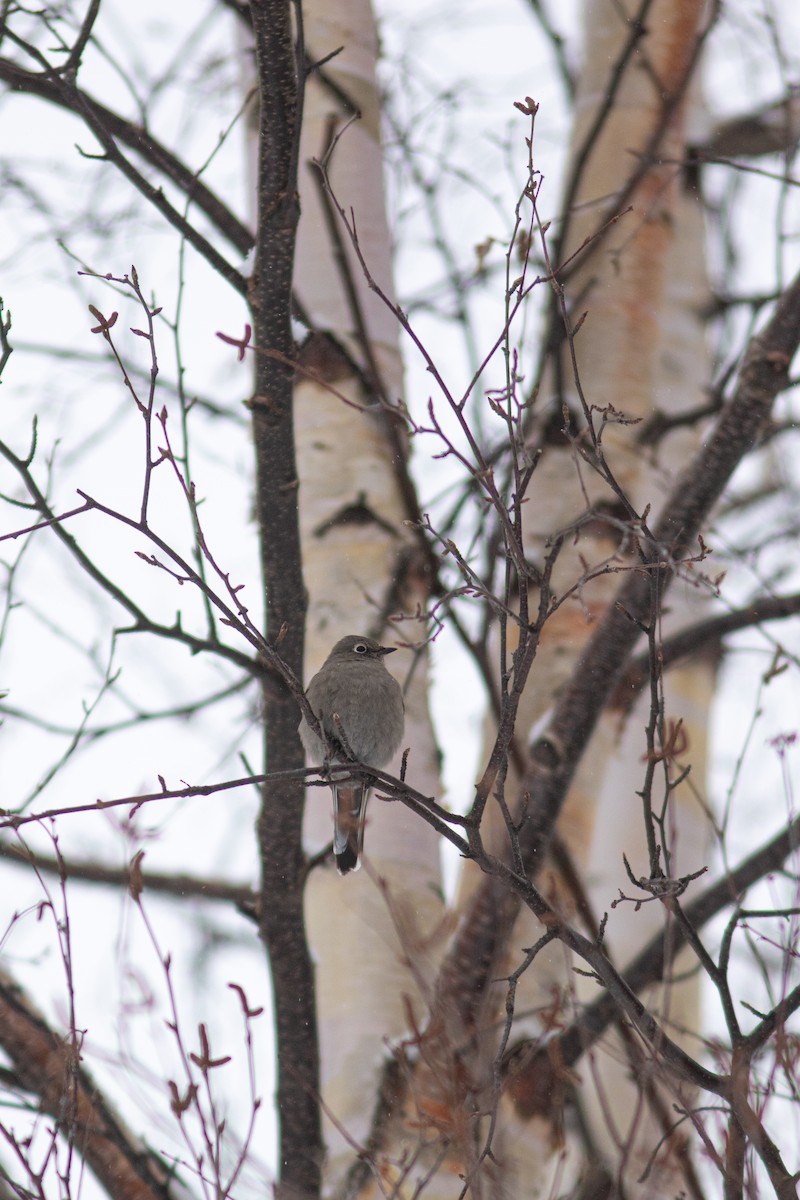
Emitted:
<point x="636" y="291"/>
<point x="630" y="281"/>
<point x="374" y="934"/>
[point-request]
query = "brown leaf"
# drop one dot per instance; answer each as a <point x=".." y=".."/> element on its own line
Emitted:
<point x="135" y="880"/>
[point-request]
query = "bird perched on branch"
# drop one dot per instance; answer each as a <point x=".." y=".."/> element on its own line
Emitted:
<point x="360" y="708"/>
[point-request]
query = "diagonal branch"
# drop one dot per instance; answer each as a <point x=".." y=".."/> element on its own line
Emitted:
<point x="556" y="754"/>
<point x="142" y="141"/>
<point x="48" y="1066"/>
<point x="706" y="635"/>
<point x="166" y="883"/>
<point x="69" y="96"/>
<point x="141" y="621"/>
<point x="531" y="1077"/>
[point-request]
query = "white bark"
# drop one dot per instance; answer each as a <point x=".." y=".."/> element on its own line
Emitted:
<point x="377" y="936"/>
<point x="374" y="934"/>
<point x="641" y="348"/>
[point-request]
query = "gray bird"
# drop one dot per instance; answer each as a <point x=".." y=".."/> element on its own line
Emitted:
<point x="360" y="707"/>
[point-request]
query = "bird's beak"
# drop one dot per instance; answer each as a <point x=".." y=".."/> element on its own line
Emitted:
<point x="387" y="650"/>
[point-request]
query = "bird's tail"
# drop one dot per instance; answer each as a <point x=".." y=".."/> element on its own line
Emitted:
<point x="349" y="809"/>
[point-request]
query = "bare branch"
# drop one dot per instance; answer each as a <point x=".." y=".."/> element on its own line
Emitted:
<point x="180" y="886"/>
<point x="48" y="1066"/>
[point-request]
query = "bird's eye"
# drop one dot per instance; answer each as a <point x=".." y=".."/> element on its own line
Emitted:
<point x="360" y="648"/>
